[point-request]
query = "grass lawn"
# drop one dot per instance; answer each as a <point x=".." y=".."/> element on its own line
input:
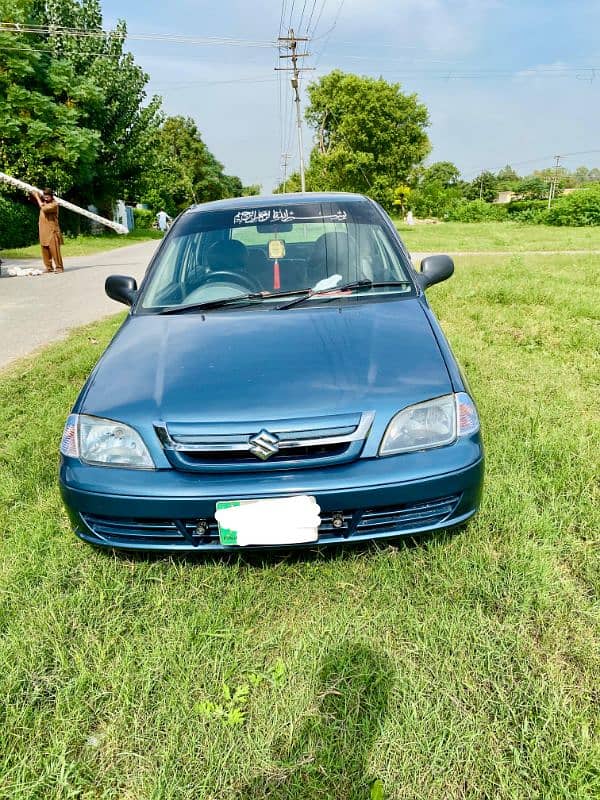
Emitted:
<point x="86" y="245"/>
<point x="466" y="666"/>
<point x="475" y="236"/>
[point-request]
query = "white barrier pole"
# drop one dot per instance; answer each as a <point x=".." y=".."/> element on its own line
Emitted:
<point x="27" y="187"/>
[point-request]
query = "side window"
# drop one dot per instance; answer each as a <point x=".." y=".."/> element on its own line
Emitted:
<point x="386" y="256"/>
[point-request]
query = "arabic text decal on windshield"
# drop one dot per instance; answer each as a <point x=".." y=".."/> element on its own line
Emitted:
<point x="258" y="216"/>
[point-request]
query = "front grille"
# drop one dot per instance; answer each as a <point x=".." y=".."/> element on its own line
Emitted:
<point x="265" y="445"/>
<point x="335" y="526"/>
<point x="290" y="454"/>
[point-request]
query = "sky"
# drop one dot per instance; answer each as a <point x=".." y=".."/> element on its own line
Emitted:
<point x="505" y="82"/>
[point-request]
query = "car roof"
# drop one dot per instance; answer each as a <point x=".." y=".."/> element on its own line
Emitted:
<point x="260" y="201"/>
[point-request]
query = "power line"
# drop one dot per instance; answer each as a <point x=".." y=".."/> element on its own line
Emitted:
<point x="329" y="32"/>
<point x="302" y="17"/>
<point x="312" y="33"/>
<point x="473" y="174"/>
<point x="310" y="19"/>
<point x="283" y="5"/>
<point x="176" y="38"/>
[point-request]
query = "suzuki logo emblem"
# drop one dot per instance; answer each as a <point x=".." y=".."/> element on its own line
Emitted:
<point x="264" y="445"/>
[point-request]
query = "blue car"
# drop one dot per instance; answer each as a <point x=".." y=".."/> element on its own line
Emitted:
<point x="280" y="381"/>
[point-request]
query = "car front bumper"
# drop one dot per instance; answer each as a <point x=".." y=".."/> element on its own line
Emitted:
<point x="167" y="510"/>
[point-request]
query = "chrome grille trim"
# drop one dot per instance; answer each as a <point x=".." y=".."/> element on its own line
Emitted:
<point x="308" y="438"/>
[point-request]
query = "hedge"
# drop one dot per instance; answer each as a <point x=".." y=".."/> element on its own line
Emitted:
<point x="532" y="211"/>
<point x="18" y="222"/>
<point x="143" y="219"/>
<point x="474" y="211"/>
<point x="581" y="207"/>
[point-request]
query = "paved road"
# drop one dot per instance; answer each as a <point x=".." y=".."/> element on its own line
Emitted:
<point x="37" y="311"/>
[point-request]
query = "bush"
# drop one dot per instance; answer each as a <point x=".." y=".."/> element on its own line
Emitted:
<point x="528" y="211"/>
<point x="18" y="222"/>
<point x="474" y="211"/>
<point x="143" y="219"/>
<point x="582" y="207"/>
<point x="432" y="199"/>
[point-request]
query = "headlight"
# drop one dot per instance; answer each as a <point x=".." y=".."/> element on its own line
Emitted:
<point x="430" y="424"/>
<point x="104" y="442"/>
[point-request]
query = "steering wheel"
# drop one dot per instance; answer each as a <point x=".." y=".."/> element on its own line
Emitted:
<point x="226" y="276"/>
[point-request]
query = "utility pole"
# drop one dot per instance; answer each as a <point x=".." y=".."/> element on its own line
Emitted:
<point x="554" y="181"/>
<point x="285" y="157"/>
<point x="290" y="42"/>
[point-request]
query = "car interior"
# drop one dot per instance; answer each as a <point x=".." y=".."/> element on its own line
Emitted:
<point x="213" y="264"/>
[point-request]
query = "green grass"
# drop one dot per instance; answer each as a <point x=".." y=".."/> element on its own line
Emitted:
<point x="464" y="667"/>
<point x="86" y="245"/>
<point x="476" y="236"/>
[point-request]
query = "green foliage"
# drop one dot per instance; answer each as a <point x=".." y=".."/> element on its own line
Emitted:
<point x="581" y="207"/>
<point x="116" y="109"/>
<point x="72" y="108"/>
<point x="507" y="179"/>
<point x="184" y="171"/>
<point x="433" y="199"/>
<point x="18" y="222"/>
<point x="45" y="138"/>
<point x="483" y="187"/>
<point x="474" y="211"/>
<point x="232" y="708"/>
<point x="529" y="211"/>
<point x="370" y="135"/>
<point x="444" y="172"/>
<point x="251" y="191"/>
<point x="143" y="219"/>
<point x="533" y="187"/>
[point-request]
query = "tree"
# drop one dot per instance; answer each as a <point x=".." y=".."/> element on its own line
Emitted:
<point x="401" y="197"/>
<point x="45" y="137"/>
<point x="292" y="184"/>
<point x="432" y="199"/>
<point x="117" y="110"/>
<point x="369" y="135"/>
<point x="444" y="172"/>
<point x="184" y="170"/>
<point x="483" y="187"/>
<point x="252" y="190"/>
<point x="507" y="179"/>
<point x="534" y="187"/>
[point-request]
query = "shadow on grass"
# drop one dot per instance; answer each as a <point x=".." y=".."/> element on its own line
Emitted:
<point x="328" y="756"/>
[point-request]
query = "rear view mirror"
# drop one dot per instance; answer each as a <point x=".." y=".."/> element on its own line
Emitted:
<point x="275" y="227"/>
<point x="435" y="269"/>
<point x="121" y="288"/>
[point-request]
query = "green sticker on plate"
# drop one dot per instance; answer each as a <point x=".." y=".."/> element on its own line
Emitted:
<point x="227" y="536"/>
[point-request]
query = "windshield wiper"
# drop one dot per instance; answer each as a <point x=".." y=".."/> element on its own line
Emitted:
<point x="333" y="291"/>
<point x="226" y="301"/>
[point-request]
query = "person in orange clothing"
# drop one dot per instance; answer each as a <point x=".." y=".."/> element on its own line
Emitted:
<point x="50" y="234"/>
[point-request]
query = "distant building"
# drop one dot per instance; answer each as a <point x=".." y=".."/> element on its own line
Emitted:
<point x="505" y="197"/>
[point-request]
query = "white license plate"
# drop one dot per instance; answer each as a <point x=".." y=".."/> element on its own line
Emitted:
<point x="277" y="521"/>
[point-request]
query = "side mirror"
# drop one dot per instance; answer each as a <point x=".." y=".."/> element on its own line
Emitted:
<point x="435" y="269"/>
<point x="121" y="288"/>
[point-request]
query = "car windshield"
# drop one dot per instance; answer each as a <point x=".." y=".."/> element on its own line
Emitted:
<point x="261" y="254"/>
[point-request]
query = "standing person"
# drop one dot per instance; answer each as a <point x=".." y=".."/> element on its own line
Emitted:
<point x="163" y="220"/>
<point x="50" y="234"/>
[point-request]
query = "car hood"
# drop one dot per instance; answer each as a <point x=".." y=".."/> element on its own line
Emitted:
<point x="266" y="365"/>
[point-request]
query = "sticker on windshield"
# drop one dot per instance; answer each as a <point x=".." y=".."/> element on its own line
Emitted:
<point x="276" y="248"/>
<point x="257" y="216"/>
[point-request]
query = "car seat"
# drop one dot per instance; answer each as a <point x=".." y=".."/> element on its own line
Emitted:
<point x="230" y="255"/>
<point x="333" y="253"/>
